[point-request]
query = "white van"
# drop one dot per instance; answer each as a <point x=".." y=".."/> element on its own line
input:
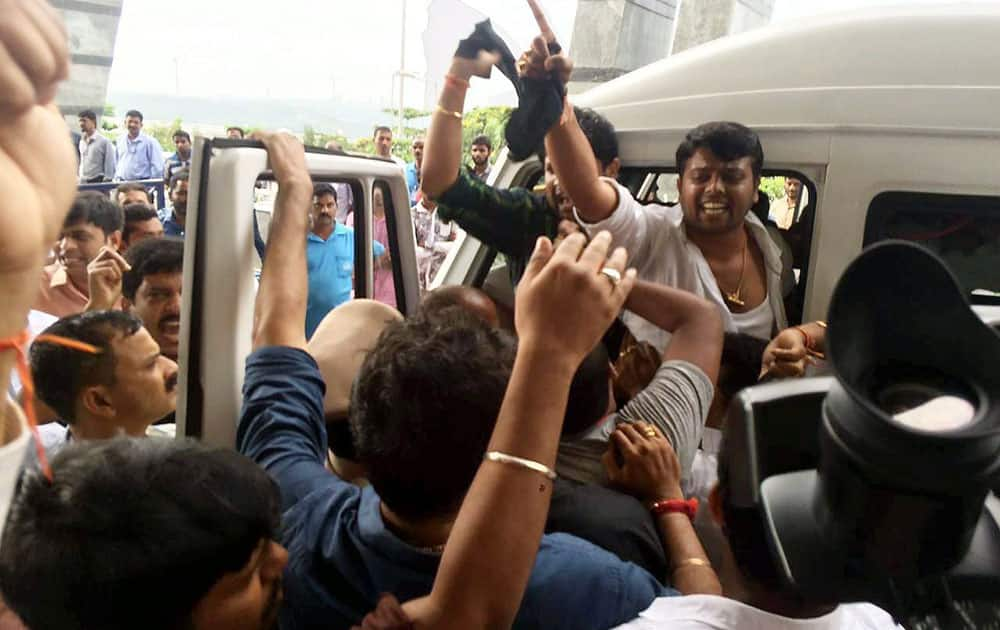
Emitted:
<point x="889" y="117"/>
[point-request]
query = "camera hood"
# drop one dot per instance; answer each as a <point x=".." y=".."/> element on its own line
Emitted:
<point x="858" y="501"/>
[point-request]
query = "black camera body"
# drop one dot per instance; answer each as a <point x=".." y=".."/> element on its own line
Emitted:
<point x="872" y="484"/>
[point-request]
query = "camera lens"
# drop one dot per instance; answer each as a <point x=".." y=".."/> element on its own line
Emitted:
<point x="925" y="407"/>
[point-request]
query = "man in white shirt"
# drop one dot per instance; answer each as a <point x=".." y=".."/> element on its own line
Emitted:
<point x="711" y="244"/>
<point x="97" y="154"/>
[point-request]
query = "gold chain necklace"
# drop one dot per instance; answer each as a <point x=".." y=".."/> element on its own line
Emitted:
<point x="736" y="297"/>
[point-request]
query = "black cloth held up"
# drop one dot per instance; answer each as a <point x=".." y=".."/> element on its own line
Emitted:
<point x="540" y="101"/>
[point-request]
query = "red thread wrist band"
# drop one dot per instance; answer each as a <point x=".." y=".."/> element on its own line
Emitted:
<point x="452" y="80"/>
<point x="669" y="506"/>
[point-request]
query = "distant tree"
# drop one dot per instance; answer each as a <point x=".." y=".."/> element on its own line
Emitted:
<point x="164" y="133"/>
<point x="773" y="186"/>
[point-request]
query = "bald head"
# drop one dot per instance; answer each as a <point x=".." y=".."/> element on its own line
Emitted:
<point x="468" y="298"/>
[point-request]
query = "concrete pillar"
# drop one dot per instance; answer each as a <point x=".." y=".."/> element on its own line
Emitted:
<point x="92" y="27"/>
<point x="614" y="37"/>
<point x="701" y="21"/>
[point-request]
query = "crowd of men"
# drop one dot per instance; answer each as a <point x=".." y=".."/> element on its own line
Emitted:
<point x="441" y="470"/>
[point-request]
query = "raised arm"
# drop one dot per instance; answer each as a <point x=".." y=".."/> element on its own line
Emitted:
<point x="568" y="149"/>
<point x="280" y="309"/>
<point x="37" y="165"/>
<point x="694" y="323"/>
<point x="564" y="304"/>
<point x="443" y="145"/>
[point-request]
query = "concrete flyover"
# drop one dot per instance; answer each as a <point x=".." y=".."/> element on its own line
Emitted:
<point x="92" y="26"/>
<point x="614" y="37"/>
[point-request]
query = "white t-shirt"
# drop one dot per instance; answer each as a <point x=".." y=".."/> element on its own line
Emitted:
<point x="11" y="457"/>
<point x="659" y="249"/>
<point x="700" y="612"/>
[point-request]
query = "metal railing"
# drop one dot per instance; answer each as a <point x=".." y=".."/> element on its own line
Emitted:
<point x="156" y="185"/>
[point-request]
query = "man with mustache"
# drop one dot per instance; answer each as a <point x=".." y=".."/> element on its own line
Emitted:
<point x="174" y="217"/>
<point x="140" y="155"/>
<point x="711" y="245"/>
<point x="151" y="289"/>
<point x="116" y="381"/>
<point x="330" y="257"/>
<point x="93" y="222"/>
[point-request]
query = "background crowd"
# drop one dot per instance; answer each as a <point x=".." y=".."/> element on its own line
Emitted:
<point x="439" y="470"/>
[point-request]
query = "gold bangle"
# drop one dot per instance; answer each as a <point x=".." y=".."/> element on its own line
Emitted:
<point x="504" y="458"/>
<point x="820" y="323"/>
<point x="691" y="562"/>
<point x="457" y="115"/>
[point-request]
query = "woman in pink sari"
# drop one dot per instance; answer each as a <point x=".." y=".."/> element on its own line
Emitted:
<point x="385" y="288"/>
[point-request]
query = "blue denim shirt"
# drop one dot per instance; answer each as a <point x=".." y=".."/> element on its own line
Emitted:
<point x="341" y="554"/>
<point x="141" y="158"/>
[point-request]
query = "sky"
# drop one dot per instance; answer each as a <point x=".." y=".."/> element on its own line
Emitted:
<point x="316" y="49"/>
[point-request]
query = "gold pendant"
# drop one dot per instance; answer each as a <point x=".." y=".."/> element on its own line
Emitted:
<point x="734" y="299"/>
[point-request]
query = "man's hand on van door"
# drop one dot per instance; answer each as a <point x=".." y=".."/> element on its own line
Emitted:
<point x="287" y="158"/>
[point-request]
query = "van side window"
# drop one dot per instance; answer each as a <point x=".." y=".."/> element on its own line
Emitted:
<point x="964" y="230"/>
<point x="786" y="205"/>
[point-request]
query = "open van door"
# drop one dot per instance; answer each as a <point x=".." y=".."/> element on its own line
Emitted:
<point x="231" y="186"/>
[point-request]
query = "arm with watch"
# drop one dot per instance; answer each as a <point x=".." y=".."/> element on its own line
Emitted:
<point x="641" y="462"/>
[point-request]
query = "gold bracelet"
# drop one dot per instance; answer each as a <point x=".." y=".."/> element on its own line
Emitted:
<point x="504" y="458"/>
<point x="457" y="115"/>
<point x="691" y="562"/>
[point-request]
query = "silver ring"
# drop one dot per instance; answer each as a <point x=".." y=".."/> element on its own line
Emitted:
<point x="612" y="274"/>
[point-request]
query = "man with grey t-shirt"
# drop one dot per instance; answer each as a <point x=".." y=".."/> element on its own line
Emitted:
<point x="676" y="401"/>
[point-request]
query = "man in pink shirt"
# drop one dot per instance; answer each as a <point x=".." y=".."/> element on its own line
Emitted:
<point x="93" y="222"/>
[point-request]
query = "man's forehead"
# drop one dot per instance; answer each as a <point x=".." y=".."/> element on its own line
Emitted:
<point x="81" y="226"/>
<point x="703" y="157"/>
<point x="134" y="348"/>
<point x="163" y="280"/>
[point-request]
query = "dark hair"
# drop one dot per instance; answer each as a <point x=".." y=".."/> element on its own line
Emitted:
<point x="88" y="114"/>
<point x="132" y="533"/>
<point x="588" y="393"/>
<point x="381" y="128"/>
<point x="600" y="133"/>
<point x="424" y="406"/>
<point x="134" y="113"/>
<point x="324" y="189"/>
<point x="484" y="140"/>
<point x="180" y="133"/>
<point x="239" y="129"/>
<point x="180" y="175"/>
<point x="136" y="213"/>
<point x="94" y="207"/>
<point x="728" y="141"/>
<point x="130" y="186"/>
<point x="740" y="364"/>
<point x="60" y="372"/>
<point x="148" y="257"/>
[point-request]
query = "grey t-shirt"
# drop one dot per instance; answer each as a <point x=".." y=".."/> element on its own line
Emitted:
<point x="676" y="402"/>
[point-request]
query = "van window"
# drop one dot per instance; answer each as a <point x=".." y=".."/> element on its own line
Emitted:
<point x="964" y="230"/>
<point x="342" y="263"/>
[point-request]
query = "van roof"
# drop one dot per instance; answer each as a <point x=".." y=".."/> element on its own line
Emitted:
<point x="913" y="67"/>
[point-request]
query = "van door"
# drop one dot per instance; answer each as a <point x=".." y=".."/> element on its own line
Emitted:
<point x="231" y="189"/>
